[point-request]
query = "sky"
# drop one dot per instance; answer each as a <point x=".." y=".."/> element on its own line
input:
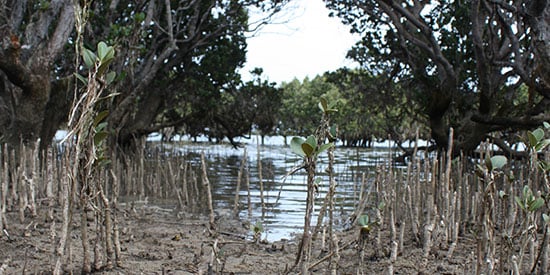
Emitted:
<point x="307" y="44"/>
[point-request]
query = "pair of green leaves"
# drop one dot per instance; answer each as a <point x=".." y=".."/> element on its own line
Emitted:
<point x="257" y="228"/>
<point x="105" y="55"/>
<point x="365" y="223"/>
<point x="537" y="142"/>
<point x="308" y="147"/>
<point x="325" y="108"/>
<point x="491" y="164"/>
<point x="363" y="220"/>
<point x="536" y="138"/>
<point x="528" y="202"/>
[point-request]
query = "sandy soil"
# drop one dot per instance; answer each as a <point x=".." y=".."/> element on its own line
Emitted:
<point x="157" y="241"/>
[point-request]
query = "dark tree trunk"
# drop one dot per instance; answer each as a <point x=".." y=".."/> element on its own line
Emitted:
<point x="57" y="109"/>
<point x="31" y="102"/>
<point x="439" y="104"/>
<point x="36" y="113"/>
<point x="539" y="20"/>
<point x="132" y="129"/>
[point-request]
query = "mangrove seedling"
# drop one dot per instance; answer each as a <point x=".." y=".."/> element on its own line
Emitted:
<point x="365" y="225"/>
<point x="308" y="148"/>
<point x="528" y="202"/>
<point x="257" y="229"/>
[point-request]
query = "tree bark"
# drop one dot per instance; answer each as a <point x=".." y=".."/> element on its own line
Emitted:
<point x="538" y="12"/>
<point x="36" y="39"/>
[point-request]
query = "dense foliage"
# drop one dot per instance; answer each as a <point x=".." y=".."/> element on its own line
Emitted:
<point x="370" y="108"/>
<point x="175" y="61"/>
<point x="480" y="67"/>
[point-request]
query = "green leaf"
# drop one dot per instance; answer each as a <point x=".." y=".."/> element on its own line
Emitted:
<point x="110" y="77"/>
<point x="324" y="147"/>
<point x="101" y="126"/>
<point x="480" y="171"/>
<point x="312" y="141"/>
<point x="546" y="218"/>
<point x="332" y="132"/>
<point x="89" y="58"/>
<point x="309" y="145"/>
<point x="539" y="134"/>
<point x="296" y="146"/>
<point x="104" y="52"/>
<point x="258" y="227"/>
<point x="542" y="144"/>
<point x="536" y="204"/>
<point x="308" y="150"/>
<point x="527" y="191"/>
<point x="497" y="162"/>
<point x="99" y="118"/>
<point x="139" y="17"/>
<point x="532" y="140"/>
<point x="121" y="76"/>
<point x="110" y="54"/>
<point x="363" y="220"/>
<point x="82" y="79"/>
<point x="43" y="5"/>
<point x="103" y="66"/>
<point x="103" y="161"/>
<point x="535" y="137"/>
<point x="544" y="165"/>
<point x="501" y="193"/>
<point x="99" y="137"/>
<point x="546" y="125"/>
<point x="323" y="104"/>
<point x="519" y="202"/>
<point x="102" y="49"/>
<point x="106" y="55"/>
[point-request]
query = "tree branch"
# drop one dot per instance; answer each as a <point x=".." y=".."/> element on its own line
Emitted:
<point x="431" y="46"/>
<point x="16" y="72"/>
<point x="65" y="25"/>
<point x="507" y="150"/>
<point x="526" y="122"/>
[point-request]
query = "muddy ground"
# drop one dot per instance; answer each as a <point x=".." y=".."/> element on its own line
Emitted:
<point x="159" y="241"/>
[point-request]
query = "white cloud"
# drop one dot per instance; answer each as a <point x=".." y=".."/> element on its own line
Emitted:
<point x="309" y="44"/>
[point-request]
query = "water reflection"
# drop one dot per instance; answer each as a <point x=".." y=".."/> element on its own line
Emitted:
<point x="284" y="201"/>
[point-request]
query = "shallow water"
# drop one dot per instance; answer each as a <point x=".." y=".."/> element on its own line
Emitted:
<point x="284" y="199"/>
